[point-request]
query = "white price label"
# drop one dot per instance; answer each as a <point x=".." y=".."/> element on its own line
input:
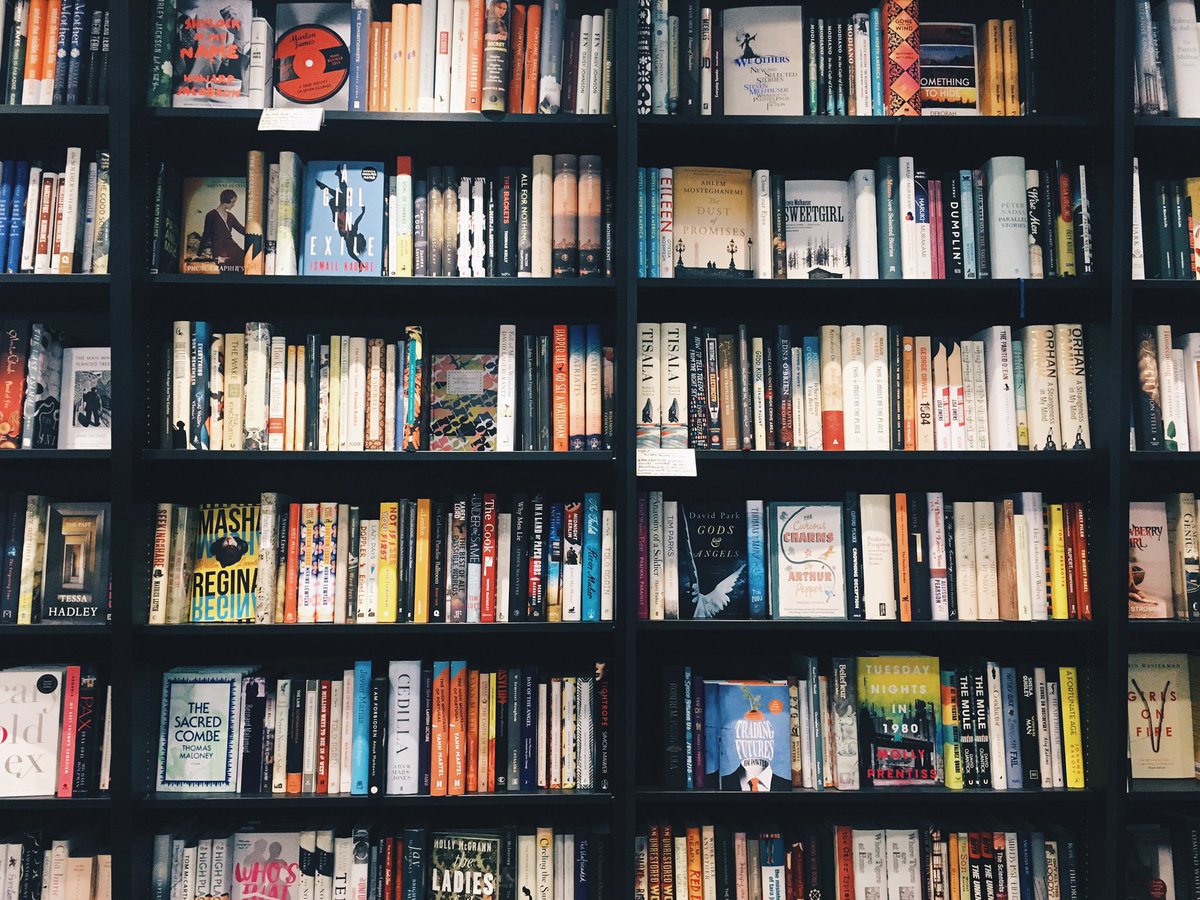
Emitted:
<point x="291" y="119"/>
<point x="656" y="462"/>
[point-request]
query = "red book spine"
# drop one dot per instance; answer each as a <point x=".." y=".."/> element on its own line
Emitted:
<point x="398" y="869"/>
<point x="472" y="731"/>
<point x="12" y="382"/>
<point x="487" y="601"/>
<point x="293" y="563"/>
<point x="935" y="228"/>
<point x="643" y="557"/>
<point x="389" y="868"/>
<point x="844" y="841"/>
<point x="533" y="54"/>
<point x="66" y="749"/>
<point x="323" y="741"/>
<point x="516" y="84"/>
<point x="1083" y="575"/>
<point x="560" y="409"/>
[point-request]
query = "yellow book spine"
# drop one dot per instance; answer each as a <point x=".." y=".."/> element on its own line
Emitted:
<point x="1072" y="725"/>
<point x="992" y="77"/>
<point x="31" y="555"/>
<point x="1064" y="225"/>
<point x="421" y="564"/>
<point x="412" y="59"/>
<point x="333" y="434"/>
<point x="1012" y="91"/>
<point x="952" y="880"/>
<point x="385" y="66"/>
<point x="389" y="551"/>
<point x="1058" y="564"/>
<point x="397" y="47"/>
<point x="289" y="403"/>
<point x="299" y="419"/>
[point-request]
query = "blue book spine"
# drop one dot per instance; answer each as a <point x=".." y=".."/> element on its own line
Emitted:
<point x="652" y="198"/>
<point x="641" y="214"/>
<point x="812" y="380"/>
<point x="529" y="714"/>
<point x="595" y="374"/>
<point x="16" y="219"/>
<point x="200" y="411"/>
<point x="360" y="758"/>
<point x="966" y="192"/>
<point x="583" y="866"/>
<point x="360" y="29"/>
<point x="756" y="575"/>
<point x="63" y="46"/>
<point x="79" y="22"/>
<point x="689" y="757"/>
<point x="591" y="557"/>
<point x="877" y="106"/>
<point x="712" y="734"/>
<point x="7" y="194"/>
<point x="414" y="865"/>
<point x="1025" y="860"/>
<point x="1012" y="728"/>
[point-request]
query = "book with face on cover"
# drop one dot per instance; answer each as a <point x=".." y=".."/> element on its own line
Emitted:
<point x="212" y="54"/>
<point x="462" y="401"/>
<point x="225" y="571"/>
<point x="214" y="231"/>
<point x="754" y="743"/>
<point x="1149" y="562"/>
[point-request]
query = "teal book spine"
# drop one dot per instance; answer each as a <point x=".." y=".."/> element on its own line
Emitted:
<point x="591" y="557"/>
<point x="877" y="106"/>
<point x="887" y="205"/>
<point x="360" y="758"/>
<point x="756" y="575"/>
<point x="966" y="193"/>
<point x="641" y="221"/>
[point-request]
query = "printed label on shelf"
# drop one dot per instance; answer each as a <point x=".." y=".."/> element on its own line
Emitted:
<point x="291" y="119"/>
<point x="656" y="462"/>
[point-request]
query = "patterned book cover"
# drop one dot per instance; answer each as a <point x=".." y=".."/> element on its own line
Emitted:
<point x="902" y="57"/>
<point x="200" y="730"/>
<point x="414" y="387"/>
<point x="462" y="401"/>
<point x="225" y="574"/>
<point x="343" y="218"/>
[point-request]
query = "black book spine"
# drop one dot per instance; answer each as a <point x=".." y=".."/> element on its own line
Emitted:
<point x="856" y="607"/>
<point x="491" y="190"/>
<point x="439" y="565"/>
<point x="1027" y="719"/>
<point x="544" y="393"/>
<point x="89" y="731"/>
<point x="839" y="28"/>
<point x="253" y="724"/>
<point x="295" y="735"/>
<point x="951" y="566"/>
<point x="502" y="700"/>
<point x="918" y="556"/>
<point x="697" y="415"/>
<point x="525" y="221"/>
<point x="1146" y="380"/>
<point x="434" y="208"/>
<point x="154" y="250"/>
<point x="312" y="389"/>
<point x="608" y="221"/>
<point x="377" y="730"/>
<point x="689" y="61"/>
<point x="726" y="866"/>
<point x="408" y="563"/>
<point x="1177" y="205"/>
<point x="450" y="235"/>
<point x="14" y="540"/>
<point x="95" y="34"/>
<point x="529" y="399"/>
<point x="818" y="27"/>
<point x="600" y="866"/>
<point x="1030" y="52"/>
<point x="778" y="242"/>
<point x="508" y="862"/>
<point x="982" y="254"/>
<point x="745" y="392"/>
<point x="529" y="717"/>
<point x="1046" y="184"/>
<point x="966" y="728"/>
<point x="675" y="721"/>
<point x="506" y="264"/>
<point x="102" y="73"/>
<point x="166" y="399"/>
<point x="718" y="72"/>
<point x="896" y="365"/>
<point x="62" y="46"/>
<point x="712" y="387"/>
<point x="474" y="537"/>
<point x="602" y="721"/>
<point x="782" y="380"/>
<point x="953" y="228"/>
<point x="512" y="746"/>
<point x="33" y="855"/>
<point x="424" y="768"/>
<point x="979" y="707"/>
<point x="518" y="580"/>
<point x="537" y="559"/>
<point x="352" y="550"/>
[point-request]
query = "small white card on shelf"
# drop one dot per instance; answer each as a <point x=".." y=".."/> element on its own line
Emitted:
<point x="292" y="119"/>
<point x="656" y="462"/>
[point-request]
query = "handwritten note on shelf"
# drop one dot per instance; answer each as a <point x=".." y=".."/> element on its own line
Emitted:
<point x="291" y="119"/>
<point x="658" y="463"/>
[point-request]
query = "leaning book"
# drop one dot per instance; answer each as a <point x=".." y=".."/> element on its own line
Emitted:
<point x="807" y="561"/>
<point x="199" y="737"/>
<point x="225" y="572"/>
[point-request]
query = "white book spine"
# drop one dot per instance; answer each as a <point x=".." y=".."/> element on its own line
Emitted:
<point x="1166" y="377"/>
<point x="672" y="373"/>
<point x="341" y="547"/>
<point x="216" y="390"/>
<point x="29" y="239"/>
<point x="278" y="394"/>
<point x="458" y="56"/>
<point x="1191" y="384"/>
<point x="87" y="245"/>
<point x="987" y="588"/>
<point x="543" y="214"/>
<point x="1024" y="592"/>
<point x="879" y="579"/>
<point x="1041" y="387"/>
<point x="657" y="560"/>
<point x="666" y="226"/>
<point x="181" y="380"/>
<point x="864" y="228"/>
<point x="649" y="416"/>
<point x="404" y="722"/>
<point x="272" y="217"/>
<point x="1072" y="388"/>
<point x="257" y="75"/>
<point x="965" y="578"/>
<point x="427" y="55"/>
<point x="923" y="378"/>
<point x="870" y="864"/>
<point x="939" y="586"/>
<point x="344" y="393"/>
<point x="1055" y="715"/>
<point x="506" y="389"/>
<point x="760" y="394"/>
<point x="290" y="174"/>
<point x="942" y="427"/>
<point x="1035" y="548"/>
<point x="862" y="65"/>
<point x="995" y="707"/>
<point x="1139" y="252"/>
<point x="799" y="432"/>
<point x="503" y="564"/>
<point x="345" y="748"/>
<point x="1179" y="399"/>
<point x="854" y="387"/>
<point x="970" y="411"/>
<point x="958" y="407"/>
<point x="670" y="559"/>
<point x="983" y="439"/>
<point x="813" y="439"/>
<point x="283" y="696"/>
<point x="1001" y="408"/>
<point x="910" y="266"/>
<point x="762" y="223"/>
<point x="595" y="88"/>
<point x="1045" y="762"/>
<point x="356" y="416"/>
<point x="1008" y="216"/>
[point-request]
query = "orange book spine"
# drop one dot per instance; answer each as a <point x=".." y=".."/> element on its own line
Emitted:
<point x="323" y="741"/>
<point x="516" y="81"/>
<point x="439" y="775"/>
<point x="385" y="66"/>
<point x="412" y="59"/>
<point x="480" y="715"/>
<point x="35" y="37"/>
<point x="475" y="56"/>
<point x="561" y="409"/>
<point x="533" y="53"/>
<point x="374" y="67"/>
<point x="293" y="563"/>
<point x="910" y="395"/>
<point x="844" y="843"/>
<point x="903" y="583"/>
<point x="50" y="48"/>
<point x="397" y="49"/>
<point x="1083" y="576"/>
<point x="472" y="731"/>
<point x="458" y="728"/>
<point x="695" y="866"/>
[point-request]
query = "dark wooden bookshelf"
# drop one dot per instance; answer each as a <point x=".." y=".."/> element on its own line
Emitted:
<point x="134" y="310"/>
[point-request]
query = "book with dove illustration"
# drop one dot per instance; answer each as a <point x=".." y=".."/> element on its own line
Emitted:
<point x="713" y="570"/>
<point x="806" y="558"/>
<point x="754" y="736"/>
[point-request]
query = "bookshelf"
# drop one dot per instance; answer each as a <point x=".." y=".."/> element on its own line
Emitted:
<point x="131" y="310"/>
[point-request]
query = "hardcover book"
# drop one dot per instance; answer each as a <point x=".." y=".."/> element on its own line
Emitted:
<point x="762" y="65"/>
<point x="713" y="575"/>
<point x="265" y="864"/>
<point x="754" y="744"/>
<point x="312" y="55"/>
<point x="949" y="77"/>
<point x="1160" y="716"/>
<point x="343" y="218"/>
<point x="214" y="235"/>
<point x="75" y="569"/>
<point x="225" y="573"/>
<point x="806" y="558"/>
<point x="816" y="229"/>
<point x="463" y="866"/>
<point x="30" y="706"/>
<point x="212" y="54"/>
<point x="199" y="737"/>
<point x="87" y="399"/>
<point x="462" y="401"/>
<point x="713" y="222"/>
<point x="1149" y="562"/>
<point x="899" y="706"/>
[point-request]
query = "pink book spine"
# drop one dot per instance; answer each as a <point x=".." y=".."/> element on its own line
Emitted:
<point x="66" y="747"/>
<point x="938" y="238"/>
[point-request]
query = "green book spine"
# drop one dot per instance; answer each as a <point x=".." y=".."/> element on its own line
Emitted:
<point x="887" y="205"/>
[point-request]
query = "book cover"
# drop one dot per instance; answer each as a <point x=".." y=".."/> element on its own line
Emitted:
<point x="225" y="572"/>
<point x="806" y="558"/>
<point x="343" y="218"/>
<point x="754" y="744"/>
<point x="200" y="730"/>
<point x="1160" y="716"/>
<point x="30" y="707"/>
<point x="762" y="64"/>
<point x="212" y="54"/>
<point x="949" y="77"/>
<point x="462" y="401"/>
<point x="86" y="399"/>
<point x="75" y="568"/>
<point x="713" y="575"/>
<point x="899" y="724"/>
<point x="1149" y="561"/>
<point x="214" y="235"/>
<point x="463" y="866"/>
<point x="816" y="229"/>
<point x="312" y="55"/>
<point x="265" y="864"/>
<point x="713" y="222"/>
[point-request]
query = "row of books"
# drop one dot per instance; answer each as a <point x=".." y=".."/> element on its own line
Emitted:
<point x="57" y="730"/>
<point x="1164" y="558"/>
<point x="1166" y="391"/>
<point x="1164" y="715"/>
<point x="1163" y="859"/>
<point x="54" y="52"/>
<point x="554" y="217"/>
<point x="252" y="390"/>
<point x="37" y="866"/>
<point x="55" y="222"/>
<point x="55" y="561"/>
<point x="875" y="722"/>
<point x="419" y="561"/>
<point x="775" y="61"/>
<point x="1165" y="227"/>
<point x="54" y="396"/>
<point x="919" y="862"/>
<point x="429" y="56"/>
<point x="908" y="557"/>
<point x="412" y="728"/>
<point x="1167" y="58"/>
<point x="862" y="387"/>
<point x="368" y="861"/>
<point x="1002" y="220"/>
